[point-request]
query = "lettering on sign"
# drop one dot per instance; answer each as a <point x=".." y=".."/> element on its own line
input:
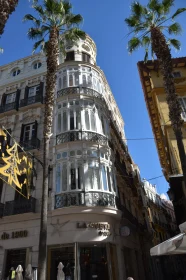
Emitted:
<point x="14" y="234"/>
<point x="104" y="228"/>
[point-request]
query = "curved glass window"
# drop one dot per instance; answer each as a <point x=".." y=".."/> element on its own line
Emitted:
<point x="104" y="178"/>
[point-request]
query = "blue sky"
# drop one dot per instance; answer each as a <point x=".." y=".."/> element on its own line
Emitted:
<point x="104" y="22"/>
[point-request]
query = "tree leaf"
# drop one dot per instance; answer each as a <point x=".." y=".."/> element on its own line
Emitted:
<point x="175" y="43"/>
<point x="175" y="28"/>
<point x="137" y="9"/>
<point x="31" y="18"/>
<point x="178" y="12"/>
<point x="133" y="44"/>
<point x="167" y="4"/>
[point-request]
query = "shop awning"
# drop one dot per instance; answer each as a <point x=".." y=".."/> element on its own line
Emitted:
<point x="172" y="246"/>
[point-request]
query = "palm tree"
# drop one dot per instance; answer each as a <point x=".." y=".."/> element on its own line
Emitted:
<point x="7" y="7"/>
<point x="53" y="28"/>
<point x="148" y="25"/>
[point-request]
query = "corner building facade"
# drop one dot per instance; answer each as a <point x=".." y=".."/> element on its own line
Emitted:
<point x="87" y="220"/>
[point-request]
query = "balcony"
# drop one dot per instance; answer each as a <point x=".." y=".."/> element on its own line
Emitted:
<point x="31" y="144"/>
<point x="79" y="90"/>
<point x="128" y="215"/>
<point x="20" y="207"/>
<point x="31" y="100"/>
<point x="89" y="199"/>
<point x="8" y="107"/>
<point x="81" y="136"/>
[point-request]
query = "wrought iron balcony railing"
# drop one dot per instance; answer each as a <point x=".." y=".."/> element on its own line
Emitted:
<point x="31" y="100"/>
<point x="89" y="199"/>
<point x="81" y="136"/>
<point x="21" y="206"/>
<point x="8" y="107"/>
<point x="79" y="90"/>
<point x="31" y="144"/>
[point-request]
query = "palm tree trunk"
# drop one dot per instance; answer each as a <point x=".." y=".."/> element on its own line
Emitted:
<point x="52" y="60"/>
<point x="7" y="7"/>
<point x="163" y="54"/>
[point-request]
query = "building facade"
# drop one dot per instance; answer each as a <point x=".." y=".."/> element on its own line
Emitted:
<point x="155" y="98"/>
<point x="96" y="225"/>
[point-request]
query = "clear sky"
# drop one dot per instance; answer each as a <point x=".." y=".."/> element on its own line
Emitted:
<point x="104" y="22"/>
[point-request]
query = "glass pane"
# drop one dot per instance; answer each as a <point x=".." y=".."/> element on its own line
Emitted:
<point x="96" y="179"/>
<point x="64" y="82"/>
<point x="104" y="178"/>
<point x="64" y="177"/>
<point x="59" y="83"/>
<point x="71" y="120"/>
<point x="102" y="124"/>
<point x="31" y="92"/>
<point x="93" y="125"/>
<point x="73" y="177"/>
<point x="59" y="123"/>
<point x="58" y="179"/>
<point x="87" y="121"/>
<point x="76" y="79"/>
<point x="64" y="154"/>
<point x="72" y="153"/>
<point x="64" y="121"/>
<point x="79" y="153"/>
<point x="78" y="119"/>
<point x="108" y="178"/>
<point x="84" y="80"/>
<point x="80" y="175"/>
<point x="90" y="177"/>
<point x="70" y="81"/>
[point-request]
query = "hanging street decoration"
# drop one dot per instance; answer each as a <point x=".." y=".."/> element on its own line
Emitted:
<point x="15" y="166"/>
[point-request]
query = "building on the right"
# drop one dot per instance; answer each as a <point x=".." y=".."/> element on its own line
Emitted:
<point x="155" y="98"/>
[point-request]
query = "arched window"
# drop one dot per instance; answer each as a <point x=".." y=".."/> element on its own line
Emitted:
<point x="16" y="72"/>
<point x="37" y="65"/>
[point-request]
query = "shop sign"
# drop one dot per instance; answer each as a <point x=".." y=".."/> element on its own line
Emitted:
<point x="14" y="234"/>
<point x="103" y="228"/>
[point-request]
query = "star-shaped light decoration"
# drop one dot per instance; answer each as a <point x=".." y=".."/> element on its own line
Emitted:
<point x="57" y="227"/>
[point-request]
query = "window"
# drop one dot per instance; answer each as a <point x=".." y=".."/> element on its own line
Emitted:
<point x="32" y="91"/>
<point x="93" y="175"/>
<point x="73" y="177"/>
<point x="59" y="83"/>
<point x="104" y="178"/>
<point x="64" y="177"/>
<point x="29" y="132"/>
<point x="176" y="74"/>
<point x="69" y="56"/>
<point x="10" y="98"/>
<point x="64" y="81"/>
<point x="71" y="120"/>
<point x="16" y="72"/>
<point x="85" y="57"/>
<point x="182" y="101"/>
<point x="64" y="121"/>
<point x="37" y="65"/>
<point x="71" y="81"/>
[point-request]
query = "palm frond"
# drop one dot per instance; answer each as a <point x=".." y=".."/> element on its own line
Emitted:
<point x="67" y="7"/>
<point x="39" y="9"/>
<point x="134" y="44"/>
<point x="156" y="6"/>
<point x="146" y="41"/>
<point x="178" y="12"/>
<point x="38" y="44"/>
<point x="32" y="18"/>
<point x="137" y="9"/>
<point x="74" y="34"/>
<point x="35" y="33"/>
<point x="167" y="4"/>
<point x="71" y="19"/>
<point x="175" y="28"/>
<point x="175" y="43"/>
<point x="132" y="21"/>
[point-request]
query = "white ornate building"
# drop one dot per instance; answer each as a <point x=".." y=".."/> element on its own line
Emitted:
<point x="86" y="230"/>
